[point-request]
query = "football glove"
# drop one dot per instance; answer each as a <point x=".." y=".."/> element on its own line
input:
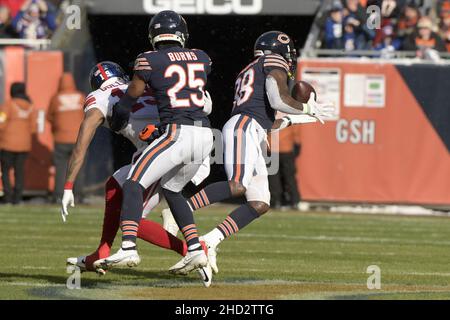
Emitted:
<point x="67" y="200"/>
<point x="318" y="110"/>
<point x="152" y="132"/>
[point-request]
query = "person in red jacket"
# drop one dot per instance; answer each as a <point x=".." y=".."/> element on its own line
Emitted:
<point x="65" y="115"/>
<point x="17" y="126"/>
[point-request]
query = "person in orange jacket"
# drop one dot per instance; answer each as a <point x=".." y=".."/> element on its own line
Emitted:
<point x="17" y="126"/>
<point x="283" y="185"/>
<point x="65" y="115"/>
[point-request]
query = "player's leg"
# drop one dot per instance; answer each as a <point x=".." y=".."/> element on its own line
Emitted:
<point x="151" y="232"/>
<point x="149" y="168"/>
<point x="234" y="142"/>
<point x="198" y="144"/>
<point x="254" y="179"/>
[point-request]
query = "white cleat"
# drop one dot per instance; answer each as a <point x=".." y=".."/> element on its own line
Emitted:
<point x="123" y="258"/>
<point x="169" y="223"/>
<point x="206" y="275"/>
<point x="77" y="262"/>
<point x="80" y="263"/>
<point x="193" y="260"/>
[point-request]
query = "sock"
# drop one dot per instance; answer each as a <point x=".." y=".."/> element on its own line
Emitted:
<point x="215" y="192"/>
<point x="237" y="220"/>
<point x="128" y="245"/>
<point x="154" y="233"/>
<point x="184" y="218"/>
<point x="111" y="222"/>
<point x="214" y="237"/>
<point x="131" y="212"/>
<point x="111" y="219"/>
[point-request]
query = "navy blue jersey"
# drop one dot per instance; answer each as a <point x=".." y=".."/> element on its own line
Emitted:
<point x="250" y="89"/>
<point x="177" y="77"/>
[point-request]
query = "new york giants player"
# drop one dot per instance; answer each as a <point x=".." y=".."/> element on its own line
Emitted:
<point x="109" y="82"/>
<point x="261" y="89"/>
<point x="177" y="76"/>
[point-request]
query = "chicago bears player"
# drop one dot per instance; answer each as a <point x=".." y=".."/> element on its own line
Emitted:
<point x="109" y="83"/>
<point x="261" y="89"/>
<point x="177" y="76"/>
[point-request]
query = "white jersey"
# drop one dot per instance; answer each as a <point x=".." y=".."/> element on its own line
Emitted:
<point x="144" y="112"/>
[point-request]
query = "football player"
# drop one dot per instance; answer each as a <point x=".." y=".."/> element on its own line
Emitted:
<point x="177" y="76"/>
<point x="261" y="89"/>
<point x="109" y="82"/>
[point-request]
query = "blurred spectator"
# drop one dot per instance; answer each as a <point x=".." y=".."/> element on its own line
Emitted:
<point x="390" y="12"/>
<point x="424" y="38"/>
<point x="65" y="115"/>
<point x="355" y="24"/>
<point x="389" y="43"/>
<point x="5" y="28"/>
<point x="445" y="26"/>
<point x="408" y="21"/>
<point x="34" y="20"/>
<point x="17" y="126"/>
<point x="334" y="35"/>
<point x="13" y="6"/>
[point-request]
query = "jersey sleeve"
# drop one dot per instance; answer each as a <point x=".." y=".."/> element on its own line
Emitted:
<point x="274" y="61"/>
<point x="204" y="57"/>
<point x="142" y="67"/>
<point x="94" y="102"/>
<point x="208" y="64"/>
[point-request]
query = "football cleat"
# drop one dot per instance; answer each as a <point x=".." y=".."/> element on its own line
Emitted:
<point x="193" y="260"/>
<point x="80" y="263"/>
<point x="206" y="275"/>
<point x="123" y="258"/>
<point x="169" y="223"/>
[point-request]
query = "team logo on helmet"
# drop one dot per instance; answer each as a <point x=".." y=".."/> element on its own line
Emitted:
<point x="284" y="38"/>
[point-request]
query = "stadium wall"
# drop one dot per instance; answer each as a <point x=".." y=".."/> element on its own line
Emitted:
<point x="389" y="141"/>
<point x="41" y="71"/>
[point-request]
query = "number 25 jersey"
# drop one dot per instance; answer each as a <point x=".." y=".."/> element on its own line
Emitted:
<point x="177" y="77"/>
<point x="250" y="89"/>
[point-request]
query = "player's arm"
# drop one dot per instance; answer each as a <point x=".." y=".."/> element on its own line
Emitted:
<point x="122" y="109"/>
<point x="292" y="119"/>
<point x="92" y="120"/>
<point x="280" y="98"/>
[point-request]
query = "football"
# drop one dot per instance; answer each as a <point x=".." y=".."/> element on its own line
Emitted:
<point x="302" y="90"/>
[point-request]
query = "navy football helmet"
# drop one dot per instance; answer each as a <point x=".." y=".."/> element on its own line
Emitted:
<point x="103" y="71"/>
<point x="279" y="43"/>
<point x="168" y="26"/>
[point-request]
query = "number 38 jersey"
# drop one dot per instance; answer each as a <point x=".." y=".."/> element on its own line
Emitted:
<point x="250" y="89"/>
<point x="177" y="77"/>
<point x="143" y="112"/>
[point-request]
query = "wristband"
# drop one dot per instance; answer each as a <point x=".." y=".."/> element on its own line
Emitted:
<point x="68" y="185"/>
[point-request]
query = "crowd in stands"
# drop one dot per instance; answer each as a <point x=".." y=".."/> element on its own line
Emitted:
<point x="28" y="19"/>
<point x="408" y="25"/>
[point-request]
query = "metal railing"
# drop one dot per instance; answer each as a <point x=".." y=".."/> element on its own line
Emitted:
<point x="39" y="44"/>
<point x="410" y="56"/>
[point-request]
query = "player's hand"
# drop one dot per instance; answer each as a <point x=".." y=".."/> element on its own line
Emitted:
<point x="157" y="132"/>
<point x="147" y="132"/>
<point x="67" y="200"/>
<point x="207" y="108"/>
<point x="318" y="110"/>
<point x="119" y="118"/>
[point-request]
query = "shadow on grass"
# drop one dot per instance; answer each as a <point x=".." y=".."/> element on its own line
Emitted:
<point x="113" y="277"/>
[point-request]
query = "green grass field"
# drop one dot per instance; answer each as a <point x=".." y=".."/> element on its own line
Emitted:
<point x="284" y="255"/>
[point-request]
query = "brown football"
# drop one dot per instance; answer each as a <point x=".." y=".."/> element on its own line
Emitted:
<point x="302" y="90"/>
